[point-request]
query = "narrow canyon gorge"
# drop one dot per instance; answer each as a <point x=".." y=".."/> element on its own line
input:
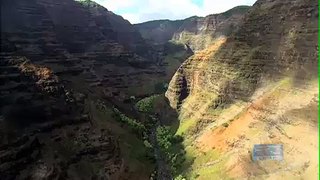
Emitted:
<point x="85" y="94"/>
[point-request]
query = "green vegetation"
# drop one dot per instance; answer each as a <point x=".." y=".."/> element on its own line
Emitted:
<point x="87" y="3"/>
<point x="164" y="137"/>
<point x="147" y="144"/>
<point x="135" y="151"/>
<point x="171" y="147"/>
<point x="116" y="114"/>
<point x="137" y="127"/>
<point x="225" y="124"/>
<point x="180" y="177"/>
<point x="237" y="9"/>
<point x="84" y="2"/>
<point x="215" y="165"/>
<point x="185" y="125"/>
<point x="170" y="144"/>
<point x="146" y="104"/>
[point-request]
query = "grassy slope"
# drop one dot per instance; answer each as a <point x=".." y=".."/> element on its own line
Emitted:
<point x="224" y="152"/>
<point x="219" y="140"/>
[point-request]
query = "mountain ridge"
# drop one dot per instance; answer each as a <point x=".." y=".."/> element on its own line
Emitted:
<point x="183" y="32"/>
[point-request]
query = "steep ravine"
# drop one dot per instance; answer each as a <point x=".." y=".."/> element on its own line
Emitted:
<point x="101" y="113"/>
<point x="162" y="166"/>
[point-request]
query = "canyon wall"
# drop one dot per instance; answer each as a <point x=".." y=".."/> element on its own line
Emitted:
<point x="266" y="45"/>
<point x="196" y="32"/>
<point x="55" y="56"/>
<point x="247" y="89"/>
<point x="76" y="39"/>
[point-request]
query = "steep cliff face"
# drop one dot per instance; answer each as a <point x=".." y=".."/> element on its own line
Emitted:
<point x="159" y="31"/>
<point x="44" y="129"/>
<point x="262" y="47"/>
<point x="247" y="89"/>
<point x="123" y="31"/>
<point x="200" y="32"/>
<point x="82" y="40"/>
<point x="56" y="55"/>
<point x="197" y="32"/>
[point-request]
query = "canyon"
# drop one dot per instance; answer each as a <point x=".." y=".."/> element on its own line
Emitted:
<point x="87" y="95"/>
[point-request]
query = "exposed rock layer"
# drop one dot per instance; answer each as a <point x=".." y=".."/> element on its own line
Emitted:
<point x="41" y="122"/>
<point x="266" y="45"/>
<point x="81" y="40"/>
<point x="53" y="54"/>
<point x="197" y="32"/>
<point x="247" y="89"/>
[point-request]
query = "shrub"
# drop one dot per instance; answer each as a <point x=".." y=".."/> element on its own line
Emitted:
<point x="225" y="124"/>
<point x="88" y="3"/>
<point x="179" y="177"/>
<point x="164" y="137"/>
<point x="169" y="145"/>
<point x="177" y="139"/>
<point x="146" y="104"/>
<point x="132" y="123"/>
<point x="147" y="144"/>
<point x="195" y="176"/>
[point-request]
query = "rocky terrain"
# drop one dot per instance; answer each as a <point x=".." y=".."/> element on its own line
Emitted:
<point x="196" y="32"/>
<point x="55" y="56"/>
<point x="44" y="129"/>
<point x="91" y="43"/>
<point x="248" y="89"/>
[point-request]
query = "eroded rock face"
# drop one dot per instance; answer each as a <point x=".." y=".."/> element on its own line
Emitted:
<point x="267" y="44"/>
<point x="45" y="132"/>
<point x="159" y="31"/>
<point x="81" y="40"/>
<point x="24" y="92"/>
<point x="53" y="54"/>
<point x="200" y="32"/>
<point x="249" y="89"/>
<point x="196" y="32"/>
<point x="254" y="87"/>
